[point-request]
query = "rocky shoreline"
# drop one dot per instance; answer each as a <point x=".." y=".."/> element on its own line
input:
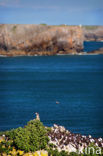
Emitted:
<point x="39" y="39"/>
<point x="46" y="40"/>
<point x="70" y="142"/>
<point x="48" y="53"/>
<point x="61" y="141"/>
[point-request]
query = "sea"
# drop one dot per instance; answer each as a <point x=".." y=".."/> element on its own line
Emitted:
<point x="65" y="90"/>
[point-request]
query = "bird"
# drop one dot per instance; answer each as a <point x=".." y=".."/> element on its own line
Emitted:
<point x="57" y="102"/>
<point x="37" y="116"/>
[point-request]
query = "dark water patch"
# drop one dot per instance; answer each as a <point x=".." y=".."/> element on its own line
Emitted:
<point x="92" y="45"/>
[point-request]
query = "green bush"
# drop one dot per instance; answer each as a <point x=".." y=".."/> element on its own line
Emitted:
<point x="14" y="28"/>
<point x="73" y="154"/>
<point x="31" y="138"/>
<point x="4" y="132"/>
<point x="5" y="147"/>
<point x="43" y="24"/>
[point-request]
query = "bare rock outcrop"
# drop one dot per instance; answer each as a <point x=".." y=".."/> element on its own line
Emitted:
<point x="63" y="139"/>
<point x="93" y="33"/>
<point x="18" y="39"/>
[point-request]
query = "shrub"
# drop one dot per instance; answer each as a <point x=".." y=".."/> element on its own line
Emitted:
<point x="31" y="138"/>
<point x="14" y="28"/>
<point x="5" y="147"/>
<point x="73" y="154"/>
<point x="55" y="152"/>
<point x="43" y="24"/>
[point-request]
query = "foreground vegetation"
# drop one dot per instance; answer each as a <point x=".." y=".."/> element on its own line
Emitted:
<point x="32" y="140"/>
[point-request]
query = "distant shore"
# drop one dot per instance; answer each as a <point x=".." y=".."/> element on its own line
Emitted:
<point x="46" y="40"/>
<point x="45" y="53"/>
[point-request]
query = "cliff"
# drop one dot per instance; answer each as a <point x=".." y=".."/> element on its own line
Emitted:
<point x="18" y="39"/>
<point x="93" y="33"/>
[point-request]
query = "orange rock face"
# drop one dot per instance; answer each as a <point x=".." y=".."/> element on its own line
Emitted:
<point x="39" y="39"/>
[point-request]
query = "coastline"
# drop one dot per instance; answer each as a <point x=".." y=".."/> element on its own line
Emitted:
<point x="46" y="53"/>
<point x="45" y="40"/>
<point x="58" y="138"/>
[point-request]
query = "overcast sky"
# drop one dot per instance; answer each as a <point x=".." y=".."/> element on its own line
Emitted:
<point x="54" y="12"/>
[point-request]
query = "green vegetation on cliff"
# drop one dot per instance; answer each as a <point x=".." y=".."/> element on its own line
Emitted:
<point x="32" y="137"/>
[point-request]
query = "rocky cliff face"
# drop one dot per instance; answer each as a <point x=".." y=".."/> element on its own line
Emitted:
<point x="93" y="33"/>
<point x="40" y="40"/>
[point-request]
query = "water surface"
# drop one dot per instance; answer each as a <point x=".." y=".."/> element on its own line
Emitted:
<point x="92" y="45"/>
<point x="34" y="84"/>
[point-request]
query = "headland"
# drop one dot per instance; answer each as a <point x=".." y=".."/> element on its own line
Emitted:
<point x="38" y="40"/>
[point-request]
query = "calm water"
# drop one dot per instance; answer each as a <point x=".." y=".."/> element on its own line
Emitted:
<point x="33" y="84"/>
<point x="90" y="46"/>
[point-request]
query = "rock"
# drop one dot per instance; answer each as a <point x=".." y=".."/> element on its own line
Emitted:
<point x="61" y="128"/>
<point x="56" y="126"/>
<point x="93" y="33"/>
<point x="40" y="40"/>
<point x="70" y="148"/>
<point x="62" y="139"/>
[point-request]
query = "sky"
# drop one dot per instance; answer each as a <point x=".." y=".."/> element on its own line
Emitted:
<point x="51" y="12"/>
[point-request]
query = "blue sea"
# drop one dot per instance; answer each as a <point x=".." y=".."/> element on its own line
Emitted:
<point x="34" y="84"/>
<point x="90" y="46"/>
